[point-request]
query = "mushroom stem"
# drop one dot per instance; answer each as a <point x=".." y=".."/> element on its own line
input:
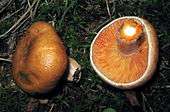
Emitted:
<point x="128" y="48"/>
<point x="129" y="37"/>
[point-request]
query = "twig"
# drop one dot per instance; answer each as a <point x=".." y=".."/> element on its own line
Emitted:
<point x="161" y="74"/>
<point x="35" y="9"/>
<point x="10" y="15"/>
<point x="5" y="6"/>
<point x="43" y="101"/>
<point x="21" y="18"/>
<point x="131" y="96"/>
<point x="113" y="10"/>
<point x="22" y="23"/>
<point x="52" y="106"/>
<point x="161" y="87"/>
<point x="7" y="60"/>
<point x="145" y="99"/>
<point x="101" y="25"/>
<point x="82" y="27"/>
<point x="108" y="9"/>
<point x="65" y="12"/>
<point x="46" y="2"/>
<point x="29" y="5"/>
<point x="165" y="67"/>
<point x="165" y="46"/>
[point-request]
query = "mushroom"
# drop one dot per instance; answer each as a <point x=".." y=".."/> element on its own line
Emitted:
<point x="125" y="52"/>
<point x="74" y="74"/>
<point x="40" y="59"/>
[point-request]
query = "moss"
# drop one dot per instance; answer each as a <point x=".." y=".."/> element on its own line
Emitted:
<point x="12" y="100"/>
<point x="5" y="25"/>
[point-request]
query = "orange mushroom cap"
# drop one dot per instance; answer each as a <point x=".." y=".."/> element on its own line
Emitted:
<point x="40" y="59"/>
<point x="124" y="53"/>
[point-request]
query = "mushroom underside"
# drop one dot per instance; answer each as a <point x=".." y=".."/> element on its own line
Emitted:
<point x="115" y="65"/>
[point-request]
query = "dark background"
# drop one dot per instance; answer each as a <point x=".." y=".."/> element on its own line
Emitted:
<point x="77" y="22"/>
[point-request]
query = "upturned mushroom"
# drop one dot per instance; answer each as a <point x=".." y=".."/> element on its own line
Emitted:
<point x="125" y="52"/>
<point x="40" y="59"/>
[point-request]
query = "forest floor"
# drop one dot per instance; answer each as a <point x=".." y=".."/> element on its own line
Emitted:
<point x="77" y="22"/>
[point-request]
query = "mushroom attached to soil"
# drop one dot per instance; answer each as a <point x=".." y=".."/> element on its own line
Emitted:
<point x="125" y="52"/>
<point x="40" y="59"/>
<point x="74" y="74"/>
